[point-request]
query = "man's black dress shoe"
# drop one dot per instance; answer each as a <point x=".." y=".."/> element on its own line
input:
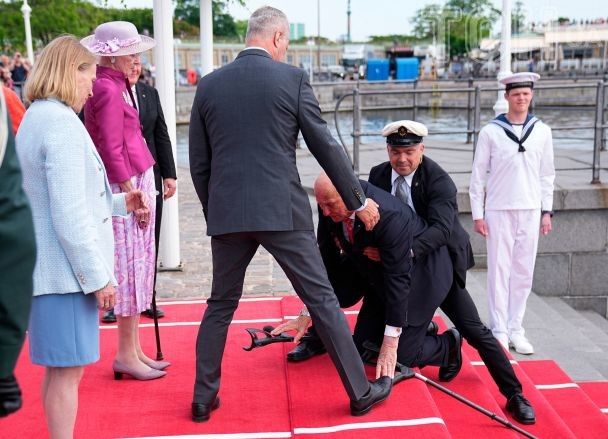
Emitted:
<point x="449" y="372"/>
<point x="202" y="412"/>
<point x="432" y="329"/>
<point x="148" y="313"/>
<point x="521" y="409"/>
<point x="109" y="317"/>
<point x="306" y="349"/>
<point x="378" y="392"/>
<point x="10" y="396"/>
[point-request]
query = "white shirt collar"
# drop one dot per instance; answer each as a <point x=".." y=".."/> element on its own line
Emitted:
<point x="257" y="48"/>
<point x="408" y="178"/>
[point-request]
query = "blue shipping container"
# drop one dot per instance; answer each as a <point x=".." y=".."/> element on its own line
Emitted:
<point x="377" y="70"/>
<point x="407" y="68"/>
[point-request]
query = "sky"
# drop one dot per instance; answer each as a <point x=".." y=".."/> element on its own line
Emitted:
<point x="385" y="17"/>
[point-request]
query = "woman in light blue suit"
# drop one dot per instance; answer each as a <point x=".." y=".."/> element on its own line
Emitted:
<point x="72" y="205"/>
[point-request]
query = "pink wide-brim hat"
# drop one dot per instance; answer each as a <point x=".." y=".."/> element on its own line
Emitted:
<point x="117" y="38"/>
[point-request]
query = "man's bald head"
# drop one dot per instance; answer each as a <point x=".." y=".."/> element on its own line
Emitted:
<point x="329" y="199"/>
<point x="324" y="186"/>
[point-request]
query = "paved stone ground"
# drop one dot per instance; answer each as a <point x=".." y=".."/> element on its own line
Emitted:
<point x="264" y="276"/>
<point x="577" y="341"/>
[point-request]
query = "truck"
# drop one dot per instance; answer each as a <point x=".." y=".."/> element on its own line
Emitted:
<point x="354" y="60"/>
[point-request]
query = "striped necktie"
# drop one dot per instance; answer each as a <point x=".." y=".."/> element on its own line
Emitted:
<point x="401" y="192"/>
<point x="349" y="226"/>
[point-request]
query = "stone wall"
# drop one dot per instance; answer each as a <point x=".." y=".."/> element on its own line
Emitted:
<point x="328" y="93"/>
<point x="572" y="261"/>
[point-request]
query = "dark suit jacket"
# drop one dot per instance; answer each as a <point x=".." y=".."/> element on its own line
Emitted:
<point x="434" y="198"/>
<point x="154" y="129"/>
<point x="390" y="279"/>
<point x="243" y="131"/>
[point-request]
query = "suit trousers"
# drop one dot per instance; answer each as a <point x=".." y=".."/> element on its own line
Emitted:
<point x="298" y="255"/>
<point x="415" y="346"/>
<point x="511" y="243"/>
<point x="461" y="310"/>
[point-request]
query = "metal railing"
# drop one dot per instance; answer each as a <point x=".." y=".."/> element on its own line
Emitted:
<point x="600" y="127"/>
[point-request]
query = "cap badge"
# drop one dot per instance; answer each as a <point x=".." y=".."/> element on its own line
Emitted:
<point x="402" y="131"/>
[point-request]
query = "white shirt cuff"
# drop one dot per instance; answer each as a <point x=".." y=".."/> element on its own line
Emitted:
<point x="392" y="331"/>
<point x="363" y="206"/>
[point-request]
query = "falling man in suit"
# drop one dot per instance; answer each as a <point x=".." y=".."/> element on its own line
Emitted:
<point x="398" y="294"/>
<point x="427" y="189"/>
<point x="243" y="131"/>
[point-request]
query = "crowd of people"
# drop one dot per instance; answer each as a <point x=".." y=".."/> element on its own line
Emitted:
<point x="14" y="71"/>
<point x="96" y="165"/>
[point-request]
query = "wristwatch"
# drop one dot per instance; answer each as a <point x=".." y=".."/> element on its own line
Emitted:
<point x="544" y="212"/>
<point x="304" y="313"/>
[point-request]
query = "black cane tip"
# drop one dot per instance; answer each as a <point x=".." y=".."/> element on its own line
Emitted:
<point x="159" y="356"/>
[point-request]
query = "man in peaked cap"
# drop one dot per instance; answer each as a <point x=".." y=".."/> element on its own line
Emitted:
<point x="431" y="193"/>
<point x="511" y="193"/>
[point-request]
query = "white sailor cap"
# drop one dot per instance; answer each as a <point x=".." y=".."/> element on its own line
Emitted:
<point x="519" y="80"/>
<point x="404" y="133"/>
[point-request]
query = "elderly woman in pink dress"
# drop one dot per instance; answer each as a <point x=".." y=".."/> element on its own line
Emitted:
<point x="112" y="119"/>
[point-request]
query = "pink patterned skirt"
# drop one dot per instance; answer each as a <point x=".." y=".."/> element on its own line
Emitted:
<point x="134" y="253"/>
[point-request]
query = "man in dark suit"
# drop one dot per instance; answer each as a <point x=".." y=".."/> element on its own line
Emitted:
<point x="157" y="138"/>
<point x="430" y="191"/>
<point x="383" y="282"/>
<point x="17" y="259"/>
<point x="155" y="132"/>
<point x="243" y="132"/>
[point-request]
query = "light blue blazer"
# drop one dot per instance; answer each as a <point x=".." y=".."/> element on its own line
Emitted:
<point x="71" y="199"/>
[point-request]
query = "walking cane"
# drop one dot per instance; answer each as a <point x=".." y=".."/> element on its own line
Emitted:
<point x="159" y="352"/>
<point x="405" y="372"/>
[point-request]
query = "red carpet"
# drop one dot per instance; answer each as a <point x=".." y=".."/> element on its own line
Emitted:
<point x="567" y="399"/>
<point x="263" y="396"/>
<point x="598" y="392"/>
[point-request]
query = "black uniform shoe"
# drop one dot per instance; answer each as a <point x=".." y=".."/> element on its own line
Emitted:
<point x="449" y="372"/>
<point x="378" y="392"/>
<point x="109" y="317"/>
<point x="148" y="313"/>
<point x="202" y="412"/>
<point x="10" y="396"/>
<point x="521" y="409"/>
<point x="432" y="329"/>
<point x="306" y="350"/>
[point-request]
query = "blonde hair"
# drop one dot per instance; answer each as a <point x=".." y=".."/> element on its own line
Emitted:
<point x="54" y="73"/>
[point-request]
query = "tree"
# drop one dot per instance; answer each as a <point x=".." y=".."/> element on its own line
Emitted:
<point x="518" y="17"/>
<point x="460" y="24"/>
<point x="224" y="24"/>
<point x="426" y="21"/>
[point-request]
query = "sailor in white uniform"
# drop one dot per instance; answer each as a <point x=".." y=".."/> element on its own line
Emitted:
<point x="511" y="192"/>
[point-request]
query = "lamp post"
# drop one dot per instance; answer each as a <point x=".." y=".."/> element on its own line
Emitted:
<point x="206" y="27"/>
<point x="318" y="35"/>
<point x="164" y="58"/>
<point x="310" y="43"/>
<point x="501" y="105"/>
<point x="26" y="10"/>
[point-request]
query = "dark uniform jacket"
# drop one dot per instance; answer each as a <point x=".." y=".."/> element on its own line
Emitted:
<point x="434" y="198"/>
<point x="154" y="129"/>
<point x="408" y="302"/>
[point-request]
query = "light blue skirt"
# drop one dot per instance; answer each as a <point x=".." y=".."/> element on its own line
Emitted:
<point x="64" y="330"/>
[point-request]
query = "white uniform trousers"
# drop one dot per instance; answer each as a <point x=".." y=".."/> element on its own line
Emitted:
<point x="511" y="243"/>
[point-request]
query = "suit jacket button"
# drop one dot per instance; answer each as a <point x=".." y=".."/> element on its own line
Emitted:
<point x="101" y="194"/>
<point x="105" y="220"/>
